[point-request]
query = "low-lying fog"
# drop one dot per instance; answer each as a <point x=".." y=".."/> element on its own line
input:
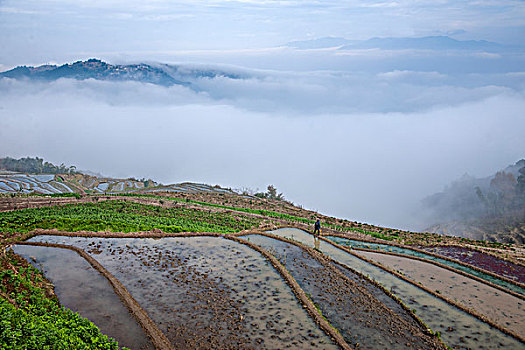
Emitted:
<point x="363" y="147"/>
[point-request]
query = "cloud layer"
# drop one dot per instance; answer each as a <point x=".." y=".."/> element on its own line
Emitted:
<point x="270" y="128"/>
<point x="293" y="93"/>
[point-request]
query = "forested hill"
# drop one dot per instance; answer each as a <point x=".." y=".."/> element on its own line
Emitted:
<point x="34" y="166"/>
<point x="481" y="208"/>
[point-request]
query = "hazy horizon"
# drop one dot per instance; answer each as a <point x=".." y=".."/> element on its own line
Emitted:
<point x="358" y="132"/>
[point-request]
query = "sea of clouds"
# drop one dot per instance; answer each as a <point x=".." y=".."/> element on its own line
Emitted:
<point x="360" y="143"/>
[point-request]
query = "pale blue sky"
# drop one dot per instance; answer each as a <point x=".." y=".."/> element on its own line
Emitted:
<point x="36" y="31"/>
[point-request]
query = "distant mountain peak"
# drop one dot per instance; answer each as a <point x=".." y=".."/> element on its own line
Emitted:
<point x="95" y="68"/>
<point x="435" y="42"/>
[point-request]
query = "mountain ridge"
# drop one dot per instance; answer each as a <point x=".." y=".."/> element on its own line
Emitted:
<point x="436" y="42"/>
<point x="158" y="74"/>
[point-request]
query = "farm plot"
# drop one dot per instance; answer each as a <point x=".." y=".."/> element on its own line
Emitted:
<point x="410" y="252"/>
<point x="457" y="328"/>
<point x="26" y="183"/>
<point x="363" y="320"/>
<point x="503" y="308"/>
<point x="121" y="216"/>
<point x="485" y="261"/>
<point x="206" y="292"/>
<point x="82" y="289"/>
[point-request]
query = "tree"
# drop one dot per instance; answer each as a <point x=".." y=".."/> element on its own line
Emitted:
<point x="271" y="193"/>
<point x="34" y="165"/>
<point x="503" y="185"/>
<point x="520" y="186"/>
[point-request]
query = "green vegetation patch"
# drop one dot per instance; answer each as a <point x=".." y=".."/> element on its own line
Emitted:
<point x="121" y="216"/>
<point x="32" y="318"/>
<point x="271" y="214"/>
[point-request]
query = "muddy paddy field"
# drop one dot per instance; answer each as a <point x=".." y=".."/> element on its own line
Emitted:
<point x="206" y="292"/>
<point x="458" y="329"/>
<point x="363" y="320"/>
<point x="184" y="273"/>
<point x="503" y="308"/>
<point x="209" y="292"/>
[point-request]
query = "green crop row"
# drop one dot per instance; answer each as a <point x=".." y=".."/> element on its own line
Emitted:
<point x="264" y="212"/>
<point x="121" y="216"/>
<point x="271" y="214"/>
<point x="32" y="320"/>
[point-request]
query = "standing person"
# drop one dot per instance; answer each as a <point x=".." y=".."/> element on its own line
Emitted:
<point x="317" y="233"/>
<point x="317" y="228"/>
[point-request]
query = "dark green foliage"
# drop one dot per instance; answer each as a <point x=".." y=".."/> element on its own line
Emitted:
<point x="271" y="193"/>
<point x="34" y="165"/>
<point x="69" y="194"/>
<point x="32" y="320"/>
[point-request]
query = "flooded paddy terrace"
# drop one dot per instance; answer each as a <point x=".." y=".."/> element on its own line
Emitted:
<point x="457" y="328"/>
<point x="206" y="292"/>
<point x="363" y="320"/>
<point x="502" y="308"/>
<point x="83" y="289"/>
<point x="418" y="254"/>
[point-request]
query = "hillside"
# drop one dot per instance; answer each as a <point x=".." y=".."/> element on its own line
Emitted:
<point x="208" y="267"/>
<point x="489" y="208"/>
<point x="19" y="190"/>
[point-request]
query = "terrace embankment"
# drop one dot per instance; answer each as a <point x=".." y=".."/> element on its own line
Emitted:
<point x="364" y="321"/>
<point x="207" y="292"/>
<point x="458" y="328"/>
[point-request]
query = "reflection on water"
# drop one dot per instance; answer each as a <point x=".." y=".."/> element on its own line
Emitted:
<point x="82" y="289"/>
<point x="316" y="242"/>
<point x="458" y="329"/>
<point x="502" y="308"/>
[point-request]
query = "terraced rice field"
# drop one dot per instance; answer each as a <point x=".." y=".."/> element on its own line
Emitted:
<point x="363" y="320"/>
<point x="206" y="292"/>
<point x="84" y="290"/>
<point x="12" y="182"/>
<point x="218" y="287"/>
<point x="27" y="183"/>
<point x="485" y="261"/>
<point x="409" y="252"/>
<point x="505" y="309"/>
<point x="457" y="328"/>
